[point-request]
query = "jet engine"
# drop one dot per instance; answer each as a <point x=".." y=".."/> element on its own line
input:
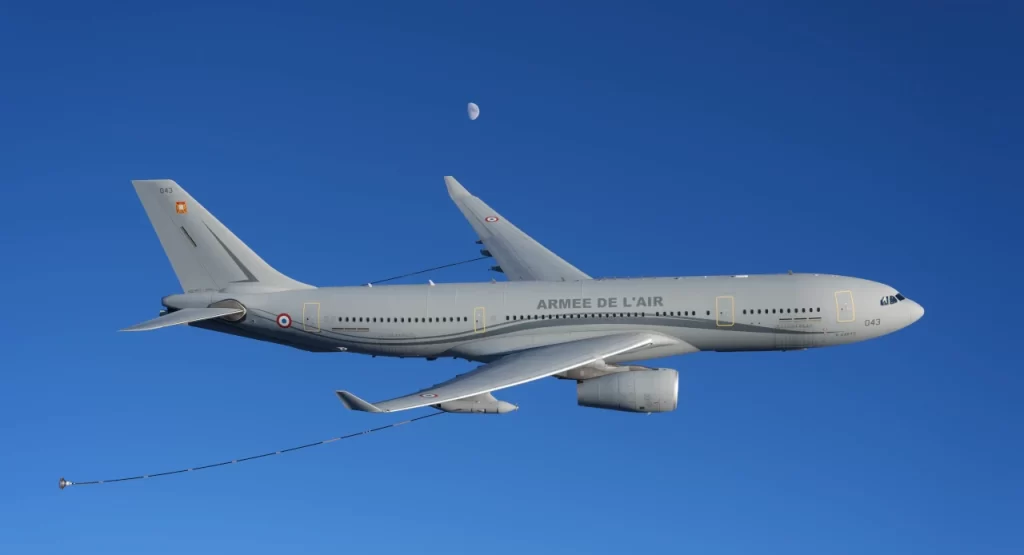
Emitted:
<point x="639" y="391"/>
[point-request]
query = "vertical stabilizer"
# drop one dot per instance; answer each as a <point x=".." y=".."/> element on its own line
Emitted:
<point x="205" y="255"/>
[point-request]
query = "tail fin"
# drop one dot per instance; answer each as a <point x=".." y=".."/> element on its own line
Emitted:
<point x="205" y="254"/>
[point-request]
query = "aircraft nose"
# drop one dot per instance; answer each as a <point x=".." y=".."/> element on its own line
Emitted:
<point x="916" y="312"/>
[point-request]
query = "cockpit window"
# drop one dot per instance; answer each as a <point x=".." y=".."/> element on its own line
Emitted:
<point x="892" y="299"/>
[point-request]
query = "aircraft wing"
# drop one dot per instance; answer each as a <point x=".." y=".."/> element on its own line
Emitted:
<point x="511" y="370"/>
<point x="518" y="255"/>
<point x="184" y="316"/>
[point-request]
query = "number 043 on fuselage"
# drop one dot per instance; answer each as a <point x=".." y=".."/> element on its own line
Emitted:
<point x="548" y="319"/>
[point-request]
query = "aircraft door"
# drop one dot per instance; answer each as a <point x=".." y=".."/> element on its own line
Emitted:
<point x="725" y="311"/>
<point x="311" y="317"/>
<point x="479" y="319"/>
<point x="845" y="310"/>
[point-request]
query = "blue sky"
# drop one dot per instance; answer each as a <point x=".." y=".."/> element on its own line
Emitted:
<point x="881" y="141"/>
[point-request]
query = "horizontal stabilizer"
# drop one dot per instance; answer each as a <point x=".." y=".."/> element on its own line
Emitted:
<point x="184" y="316"/>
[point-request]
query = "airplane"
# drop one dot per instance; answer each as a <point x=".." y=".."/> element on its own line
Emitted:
<point x="549" y="319"/>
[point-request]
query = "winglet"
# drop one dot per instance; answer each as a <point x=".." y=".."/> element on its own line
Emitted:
<point x="455" y="189"/>
<point x="352" y="402"/>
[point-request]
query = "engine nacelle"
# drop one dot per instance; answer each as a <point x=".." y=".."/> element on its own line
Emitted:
<point x="640" y="391"/>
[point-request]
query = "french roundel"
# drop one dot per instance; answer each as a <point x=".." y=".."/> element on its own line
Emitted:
<point x="491" y="219"/>
<point x="284" y="320"/>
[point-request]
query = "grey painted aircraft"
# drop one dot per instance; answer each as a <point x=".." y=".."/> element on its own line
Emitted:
<point x="548" y="319"/>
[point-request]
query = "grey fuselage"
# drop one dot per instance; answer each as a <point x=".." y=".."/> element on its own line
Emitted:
<point x="481" y="321"/>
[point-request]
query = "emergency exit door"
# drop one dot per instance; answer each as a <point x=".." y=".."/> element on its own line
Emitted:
<point x="725" y="311"/>
<point x="479" y="319"/>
